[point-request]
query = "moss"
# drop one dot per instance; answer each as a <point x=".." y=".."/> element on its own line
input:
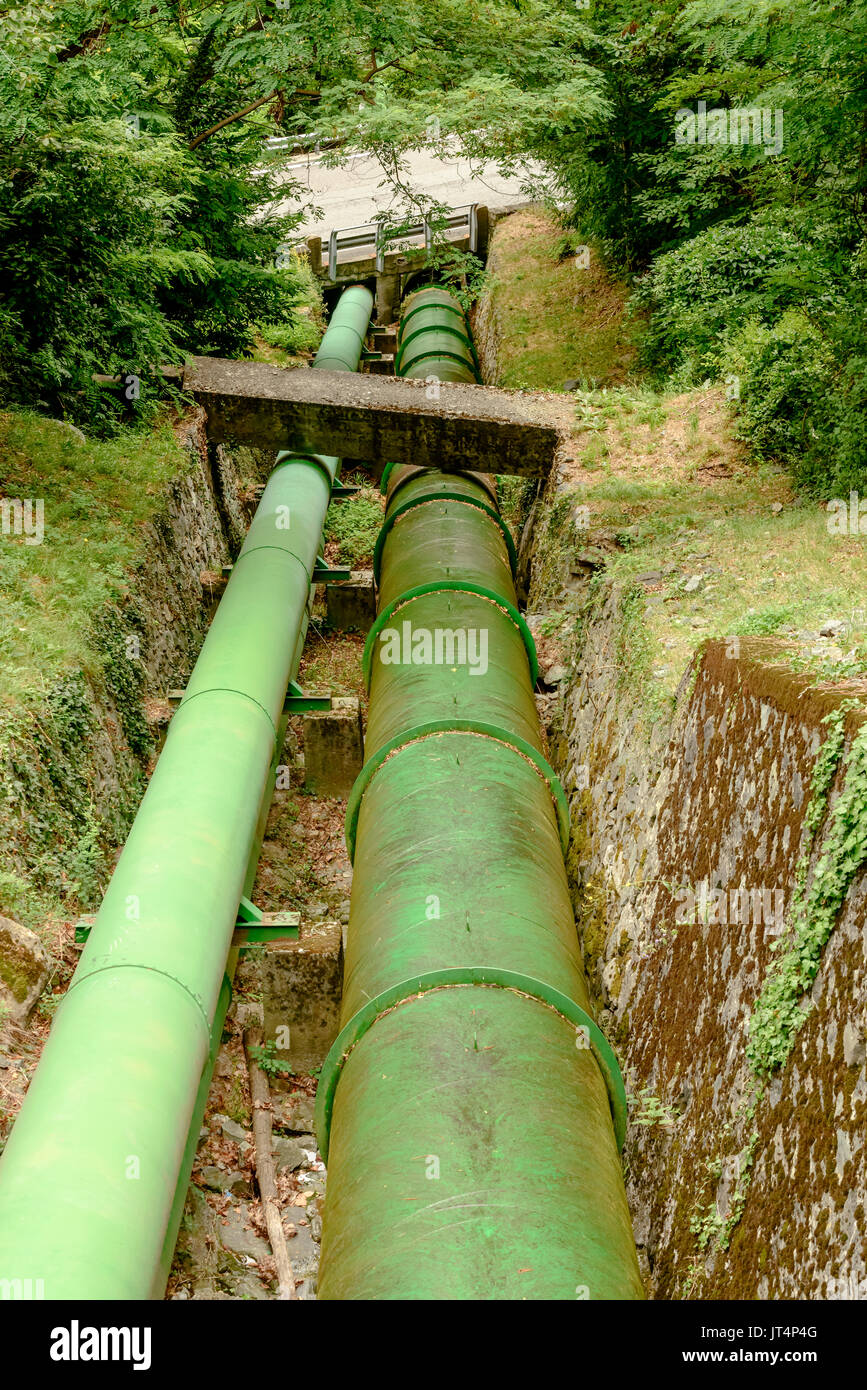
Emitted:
<point x="117" y="639"/>
<point x="778" y="1013"/>
<point x="19" y="972"/>
<point x="557" y="543"/>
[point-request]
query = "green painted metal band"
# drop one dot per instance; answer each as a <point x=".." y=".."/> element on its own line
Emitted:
<point x="454" y="586"/>
<point x="443" y="354"/>
<point x="450" y="305"/>
<point x="314" y="460"/>
<point x="442" y="497"/>
<point x="442" y="368"/>
<point x="80" y="977"/>
<point x="407" y="338"/>
<point x="455" y="726"/>
<point x="467" y="976"/>
<point x="415" y="471"/>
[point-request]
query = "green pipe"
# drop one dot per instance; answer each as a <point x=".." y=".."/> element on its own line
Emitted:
<point x="425" y="526"/>
<point x="474" y="664"/>
<point x="417" y="481"/>
<point x="94" y="1174"/>
<point x="434" y="328"/>
<point x="470" y="1110"/>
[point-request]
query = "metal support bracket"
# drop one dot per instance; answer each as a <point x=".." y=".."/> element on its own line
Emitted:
<point x="255" y="927"/>
<point x="322" y="573"/>
<point x="344" y="490"/>
<point x="297" y="702"/>
<point x="252" y="927"/>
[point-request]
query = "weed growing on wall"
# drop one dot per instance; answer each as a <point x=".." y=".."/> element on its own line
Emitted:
<point x="355" y="525"/>
<point x="634" y="655"/>
<point x="779" y="1012"/>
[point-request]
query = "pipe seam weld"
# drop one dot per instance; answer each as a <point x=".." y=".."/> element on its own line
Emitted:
<point x="443" y="496"/>
<point x="434" y="727"/>
<point x="455" y="586"/>
<point x="471" y="976"/>
<point x="223" y="690"/>
<point x="315" y="461"/>
<point x="282" y="550"/>
<point x="151" y="970"/>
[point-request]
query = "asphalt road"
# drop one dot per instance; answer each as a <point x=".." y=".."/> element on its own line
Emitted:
<point x="352" y="194"/>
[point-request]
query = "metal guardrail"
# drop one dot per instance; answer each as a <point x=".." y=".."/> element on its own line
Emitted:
<point x="379" y="239"/>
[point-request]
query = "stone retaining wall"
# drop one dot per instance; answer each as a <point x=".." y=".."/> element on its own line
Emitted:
<point x="716" y="794"/>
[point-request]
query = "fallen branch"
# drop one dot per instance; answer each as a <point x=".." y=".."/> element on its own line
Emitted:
<point x="265" y="1173"/>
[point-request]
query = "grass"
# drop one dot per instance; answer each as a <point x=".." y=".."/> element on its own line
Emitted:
<point x="668" y="487"/>
<point x="352" y="527"/>
<point x="98" y="497"/>
<point x="694" y="507"/>
<point x="293" y="343"/>
<point x="557" y="320"/>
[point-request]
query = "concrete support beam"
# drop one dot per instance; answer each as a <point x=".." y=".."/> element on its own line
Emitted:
<point x="452" y="425"/>
<point x="333" y="748"/>
<point x="302" y="984"/>
<point x="387" y="297"/>
<point x="352" y="604"/>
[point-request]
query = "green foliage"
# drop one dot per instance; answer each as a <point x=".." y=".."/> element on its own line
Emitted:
<point x="707" y="1223"/>
<point x="355" y="525"/>
<point x="98" y="498"/>
<point x="124" y="674"/>
<point x="18" y="899"/>
<point x="123" y="246"/>
<point x="780" y="1010"/>
<point x="751" y="258"/>
<point x="713" y="284"/>
<point x="49" y="1004"/>
<point x="763" y="623"/>
<point x="265" y="1057"/>
<point x="86" y="864"/>
<point x="516" y="497"/>
<point x="141" y="217"/>
<point x="649" y="1109"/>
<point x="294" y="338"/>
<point x="634" y="656"/>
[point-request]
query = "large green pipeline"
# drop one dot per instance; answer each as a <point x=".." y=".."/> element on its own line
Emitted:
<point x="94" y="1174"/>
<point x="470" y="1109"/>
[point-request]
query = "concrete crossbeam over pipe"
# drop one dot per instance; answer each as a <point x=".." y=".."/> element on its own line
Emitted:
<point x="450" y="424"/>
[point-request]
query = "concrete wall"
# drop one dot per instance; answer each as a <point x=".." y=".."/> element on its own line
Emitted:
<point x="716" y="792"/>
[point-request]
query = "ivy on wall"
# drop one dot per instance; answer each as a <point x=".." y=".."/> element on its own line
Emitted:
<point x="779" y="1011"/>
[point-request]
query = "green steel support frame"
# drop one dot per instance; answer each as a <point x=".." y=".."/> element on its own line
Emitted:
<point x="95" y="1173"/>
<point x="470" y="1109"/>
